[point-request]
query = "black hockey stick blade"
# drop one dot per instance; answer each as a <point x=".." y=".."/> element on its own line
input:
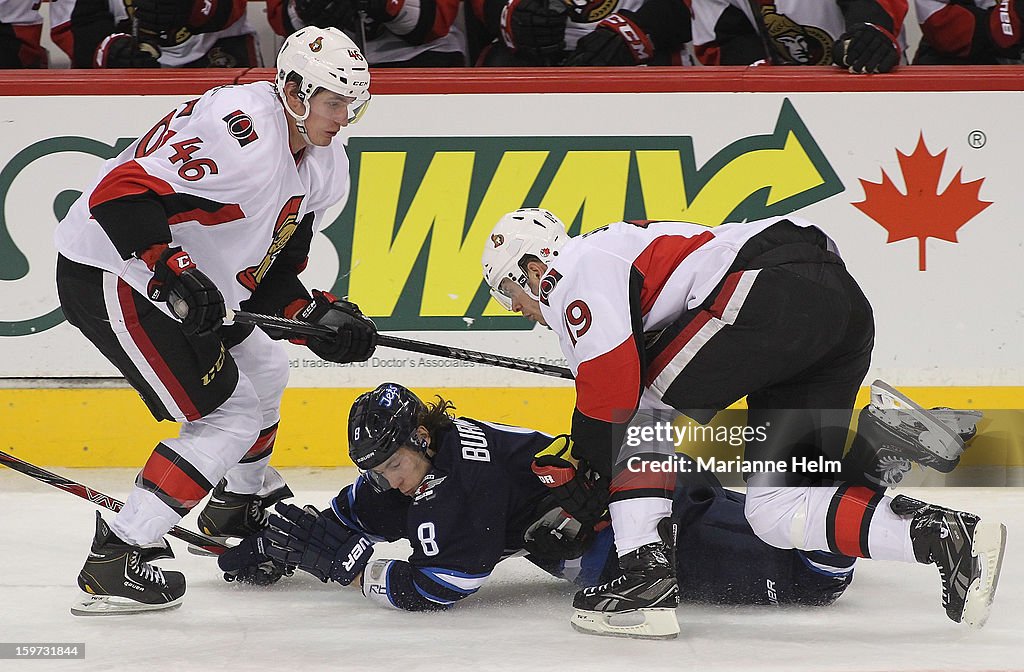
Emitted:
<point x="300" y="328"/>
<point x="201" y="541"/>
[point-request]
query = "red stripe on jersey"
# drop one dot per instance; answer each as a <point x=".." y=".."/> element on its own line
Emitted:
<point x="627" y="480"/>
<point x="725" y="294"/>
<point x="172" y="481"/>
<point x="677" y="344"/>
<point x="152" y="355"/>
<point x="128" y="179"/>
<point x="850" y="518"/>
<point x="951" y="30"/>
<point x="608" y="387"/>
<point x="263" y="444"/>
<point x="659" y="259"/>
<point x="224" y="214"/>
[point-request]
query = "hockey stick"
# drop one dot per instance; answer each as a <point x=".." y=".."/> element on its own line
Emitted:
<point x="306" y="329"/>
<point x="106" y="501"/>
<point x="771" y="52"/>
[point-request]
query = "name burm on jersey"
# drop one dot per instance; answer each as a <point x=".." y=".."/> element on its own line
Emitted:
<point x="678" y="436"/>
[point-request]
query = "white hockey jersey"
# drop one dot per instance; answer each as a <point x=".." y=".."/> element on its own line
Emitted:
<point x="604" y="282"/>
<point x="222" y="170"/>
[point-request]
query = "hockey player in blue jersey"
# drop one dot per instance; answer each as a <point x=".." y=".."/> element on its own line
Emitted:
<point x="463" y="493"/>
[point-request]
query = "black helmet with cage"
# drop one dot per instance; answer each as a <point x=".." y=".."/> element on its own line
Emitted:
<point x="382" y="421"/>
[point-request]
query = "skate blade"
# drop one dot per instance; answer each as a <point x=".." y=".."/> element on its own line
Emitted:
<point x="989" y="544"/>
<point x="636" y="624"/>
<point x="963" y="422"/>
<point x="938" y="438"/>
<point x="108" y="605"/>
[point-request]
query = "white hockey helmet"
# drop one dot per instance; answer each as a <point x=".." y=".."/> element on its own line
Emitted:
<point x="325" y="58"/>
<point x="528" y="231"/>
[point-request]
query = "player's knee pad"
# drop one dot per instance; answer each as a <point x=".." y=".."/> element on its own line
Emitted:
<point x="232" y="428"/>
<point x="777" y="515"/>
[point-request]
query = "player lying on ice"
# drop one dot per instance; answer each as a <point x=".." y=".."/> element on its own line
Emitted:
<point x="464" y="493"/>
<point x="663" y="316"/>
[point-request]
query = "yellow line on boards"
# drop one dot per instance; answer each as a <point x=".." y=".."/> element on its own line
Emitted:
<point x="112" y="428"/>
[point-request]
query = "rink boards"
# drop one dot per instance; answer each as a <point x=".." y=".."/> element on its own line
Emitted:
<point x="912" y="175"/>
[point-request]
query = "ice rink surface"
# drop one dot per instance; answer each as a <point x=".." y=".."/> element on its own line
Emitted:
<point x="889" y="619"/>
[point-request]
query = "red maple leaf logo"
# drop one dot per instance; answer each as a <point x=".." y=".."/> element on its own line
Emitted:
<point x="922" y="212"/>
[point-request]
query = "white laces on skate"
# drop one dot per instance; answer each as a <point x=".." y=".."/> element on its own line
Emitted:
<point x="146" y="570"/>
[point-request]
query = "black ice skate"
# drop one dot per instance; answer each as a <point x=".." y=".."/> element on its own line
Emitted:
<point x="967" y="551"/>
<point x="901" y="432"/>
<point x="118" y="580"/>
<point x="229" y="514"/>
<point x="640" y="603"/>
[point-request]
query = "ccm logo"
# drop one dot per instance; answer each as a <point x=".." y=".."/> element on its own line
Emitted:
<point x="184" y="261"/>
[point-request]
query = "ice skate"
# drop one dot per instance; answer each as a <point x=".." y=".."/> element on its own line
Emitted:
<point x="967" y="551"/>
<point x="641" y="603"/>
<point x="118" y="580"/>
<point x="230" y="515"/>
<point x="901" y="431"/>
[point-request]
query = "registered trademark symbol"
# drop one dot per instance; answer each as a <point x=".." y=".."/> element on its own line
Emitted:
<point x="976" y="139"/>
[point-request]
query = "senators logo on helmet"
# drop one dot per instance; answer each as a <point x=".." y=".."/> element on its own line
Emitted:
<point x="316" y="45"/>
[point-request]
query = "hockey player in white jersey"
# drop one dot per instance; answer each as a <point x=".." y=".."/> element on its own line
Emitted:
<point x="672" y="315"/>
<point x="215" y="206"/>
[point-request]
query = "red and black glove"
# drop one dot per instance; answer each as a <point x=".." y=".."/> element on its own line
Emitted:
<point x="187" y="291"/>
<point x="866" y="48"/>
<point x="576" y="488"/>
<point x="535" y="27"/>
<point x="121" y="50"/>
<point x="617" y="40"/>
<point x="1005" y="26"/>
<point x="355" y="336"/>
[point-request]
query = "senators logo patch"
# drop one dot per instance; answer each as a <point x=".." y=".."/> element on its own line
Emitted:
<point x="316" y="45"/>
<point x="498" y="240"/>
<point x="285" y="226"/>
<point x="241" y="128"/>
<point x="548" y="284"/>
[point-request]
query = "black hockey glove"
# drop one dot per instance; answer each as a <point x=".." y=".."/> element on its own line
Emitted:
<point x="170" y="22"/>
<point x="341" y="14"/>
<point x="557" y="536"/>
<point x="162" y="22"/>
<point x="535" y="27"/>
<point x="356" y="336"/>
<point x="316" y="543"/>
<point x="866" y="48"/>
<point x="617" y="40"/>
<point x="123" y="51"/>
<point x="187" y="291"/>
<point x="248" y="563"/>
<point x="575" y="487"/>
